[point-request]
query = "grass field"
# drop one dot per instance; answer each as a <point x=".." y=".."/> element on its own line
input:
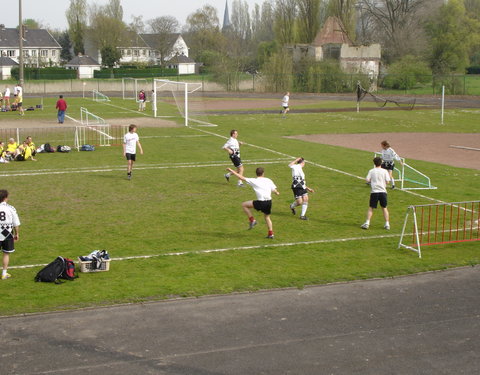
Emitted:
<point x="182" y="223"/>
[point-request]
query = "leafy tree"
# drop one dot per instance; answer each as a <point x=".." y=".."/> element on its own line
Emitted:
<point x="407" y="72"/>
<point x="32" y="24"/>
<point x="308" y="20"/>
<point x="344" y="10"/>
<point x="263" y="22"/>
<point x="110" y="56"/>
<point x="107" y="30"/>
<point x="277" y="72"/>
<point x="452" y="34"/>
<point x="285" y="17"/>
<point x="64" y="40"/>
<point x="77" y="24"/>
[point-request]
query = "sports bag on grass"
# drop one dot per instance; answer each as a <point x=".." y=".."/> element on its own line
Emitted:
<point x="60" y="268"/>
<point x="87" y="148"/>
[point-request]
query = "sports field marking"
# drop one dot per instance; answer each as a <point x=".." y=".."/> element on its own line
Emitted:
<point x="465" y="148"/>
<point x="73" y="119"/>
<point x="237" y="248"/>
<point x="127" y="109"/>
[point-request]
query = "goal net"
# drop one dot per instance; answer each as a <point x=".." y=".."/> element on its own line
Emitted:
<point x="171" y="98"/>
<point x="409" y="177"/>
<point x="132" y="86"/>
<point x="97" y="96"/>
<point x="93" y="130"/>
<point x="362" y="94"/>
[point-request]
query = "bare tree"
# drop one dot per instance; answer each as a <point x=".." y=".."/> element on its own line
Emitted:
<point x="308" y="20"/>
<point x="77" y="24"/>
<point x="285" y="17"/>
<point x="240" y="18"/>
<point x="114" y="9"/>
<point x="164" y="28"/>
<point x="263" y="22"/>
<point x="344" y="10"/>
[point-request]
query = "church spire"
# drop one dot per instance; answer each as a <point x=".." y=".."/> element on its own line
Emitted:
<point x="226" y="18"/>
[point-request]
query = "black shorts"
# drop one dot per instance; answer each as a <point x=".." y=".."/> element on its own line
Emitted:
<point x="7" y="245"/>
<point x="388" y="165"/>
<point x="264" y="206"/>
<point x="237" y="162"/>
<point x="132" y="157"/>
<point x="299" y="192"/>
<point x="378" y="197"/>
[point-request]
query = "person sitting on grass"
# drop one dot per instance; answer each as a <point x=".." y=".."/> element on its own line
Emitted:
<point x="24" y="152"/>
<point x="11" y="148"/>
<point x="2" y="153"/>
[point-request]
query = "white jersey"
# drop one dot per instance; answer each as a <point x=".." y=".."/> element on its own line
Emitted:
<point x="8" y="220"/>
<point x="233" y="145"/>
<point x="378" y="178"/>
<point x="17" y="90"/>
<point x="130" y="140"/>
<point x="263" y="187"/>
<point x="389" y="155"/>
<point x="7" y="92"/>
<point x="285" y="100"/>
<point x="298" y="176"/>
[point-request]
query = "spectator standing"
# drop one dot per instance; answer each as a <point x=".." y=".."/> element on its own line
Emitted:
<point x="10" y="222"/>
<point x="18" y="92"/>
<point x="6" y="98"/>
<point x="62" y="108"/>
<point x="142" y="98"/>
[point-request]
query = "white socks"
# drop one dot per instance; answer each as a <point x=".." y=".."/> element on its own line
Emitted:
<point x="304" y="208"/>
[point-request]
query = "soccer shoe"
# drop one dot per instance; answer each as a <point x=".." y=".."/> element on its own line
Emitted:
<point x="227" y="177"/>
<point x="387" y="227"/>
<point x="364" y="226"/>
<point x="241" y="185"/>
<point x="303" y="218"/>
<point x="270" y="236"/>
<point x="129" y="176"/>
<point x="252" y="224"/>
<point x="293" y="209"/>
<point x="6" y="276"/>
<point x="393" y="187"/>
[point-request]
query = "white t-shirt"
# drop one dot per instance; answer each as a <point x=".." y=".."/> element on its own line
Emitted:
<point x="7" y="92"/>
<point x="8" y="220"/>
<point x="233" y="144"/>
<point x="298" y="176"/>
<point x="130" y="140"/>
<point x="378" y="178"/>
<point x="285" y="100"/>
<point x="263" y="187"/>
<point x="17" y="90"/>
<point x="389" y="155"/>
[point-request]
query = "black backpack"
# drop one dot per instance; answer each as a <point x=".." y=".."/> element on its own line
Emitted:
<point x="60" y="268"/>
<point x="48" y="148"/>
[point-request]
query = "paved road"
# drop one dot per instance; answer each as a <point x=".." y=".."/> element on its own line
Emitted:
<point x="423" y="324"/>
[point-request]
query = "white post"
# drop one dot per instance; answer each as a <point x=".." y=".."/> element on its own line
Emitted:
<point x="443" y="101"/>
<point x="186" y="104"/>
<point x="83" y="90"/>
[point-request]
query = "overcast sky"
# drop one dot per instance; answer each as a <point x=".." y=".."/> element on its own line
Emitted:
<point x="52" y="12"/>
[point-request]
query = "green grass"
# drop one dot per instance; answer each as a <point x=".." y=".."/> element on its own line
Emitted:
<point x="178" y="201"/>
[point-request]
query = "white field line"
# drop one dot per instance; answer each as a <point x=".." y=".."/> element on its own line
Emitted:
<point x="238" y="248"/>
<point x="137" y="167"/>
<point x="466" y="148"/>
<point x="126" y="109"/>
<point x="74" y="120"/>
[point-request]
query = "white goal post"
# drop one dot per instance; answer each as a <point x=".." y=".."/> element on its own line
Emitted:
<point x="180" y="92"/>
<point x="93" y="130"/>
<point x="131" y="86"/>
<point x="97" y="96"/>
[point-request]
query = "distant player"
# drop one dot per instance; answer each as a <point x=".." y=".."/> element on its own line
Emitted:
<point x="378" y="178"/>
<point x="130" y="143"/>
<point x="299" y="187"/>
<point x="9" y="222"/>
<point x="263" y="189"/>
<point x="142" y="98"/>
<point x="233" y="148"/>
<point x="389" y="156"/>
<point x="18" y="92"/>
<point x="285" y="101"/>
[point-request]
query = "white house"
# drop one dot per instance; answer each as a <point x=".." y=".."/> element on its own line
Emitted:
<point x="39" y="47"/>
<point x="184" y="64"/>
<point x="6" y="65"/>
<point x="84" y="65"/>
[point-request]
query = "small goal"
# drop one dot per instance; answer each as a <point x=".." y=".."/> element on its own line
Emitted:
<point x="97" y="96"/>
<point x="92" y="130"/>
<point x="178" y="93"/>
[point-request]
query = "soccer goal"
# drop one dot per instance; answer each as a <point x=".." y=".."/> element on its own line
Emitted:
<point x="403" y="103"/>
<point x="97" y="96"/>
<point x="441" y="223"/>
<point x="131" y="86"/>
<point x="178" y="93"/>
<point x="409" y="177"/>
<point x="93" y="130"/>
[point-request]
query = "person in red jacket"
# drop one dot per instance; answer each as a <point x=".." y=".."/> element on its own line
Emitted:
<point x="61" y="107"/>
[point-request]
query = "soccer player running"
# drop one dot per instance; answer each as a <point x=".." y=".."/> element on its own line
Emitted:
<point x="130" y="143"/>
<point x="389" y="156"/>
<point x="378" y="179"/>
<point x="285" y="108"/>
<point x="263" y="187"/>
<point x="9" y="222"/>
<point x="299" y="187"/>
<point x="233" y="148"/>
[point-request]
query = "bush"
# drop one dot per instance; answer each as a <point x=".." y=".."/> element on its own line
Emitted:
<point x="135" y="72"/>
<point x="473" y="70"/>
<point x="44" y="73"/>
<point x="407" y="73"/>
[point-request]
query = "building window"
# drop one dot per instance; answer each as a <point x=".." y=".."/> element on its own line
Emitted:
<point x="34" y="52"/>
<point x="135" y="52"/>
<point x="129" y="52"/>
<point x="44" y="52"/>
<point x="26" y="53"/>
<point x="53" y="53"/>
<point x="11" y="53"/>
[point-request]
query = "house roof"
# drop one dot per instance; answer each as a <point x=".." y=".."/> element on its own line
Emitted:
<point x="39" y="38"/>
<point x="152" y="39"/>
<point x="83" y="60"/>
<point x="332" y="32"/>
<point x="7" y="61"/>
<point x="181" y="59"/>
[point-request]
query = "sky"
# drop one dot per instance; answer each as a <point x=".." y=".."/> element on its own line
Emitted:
<point x="52" y="12"/>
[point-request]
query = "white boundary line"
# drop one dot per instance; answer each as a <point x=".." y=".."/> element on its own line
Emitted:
<point x="238" y="248"/>
<point x="466" y="148"/>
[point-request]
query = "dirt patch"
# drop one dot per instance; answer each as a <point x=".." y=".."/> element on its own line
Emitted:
<point x="454" y="149"/>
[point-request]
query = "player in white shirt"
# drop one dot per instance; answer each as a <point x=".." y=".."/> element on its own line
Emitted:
<point x="378" y="178"/>
<point x="263" y="187"/>
<point x="285" y="100"/>
<point x="130" y="143"/>
<point x="9" y="233"/>
<point x="6" y="98"/>
<point x="299" y="187"/>
<point x="389" y="156"/>
<point x="232" y="146"/>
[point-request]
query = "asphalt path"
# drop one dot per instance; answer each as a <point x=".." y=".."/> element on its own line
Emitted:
<point x="422" y="324"/>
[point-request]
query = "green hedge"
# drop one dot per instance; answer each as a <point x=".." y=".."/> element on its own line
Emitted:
<point x="44" y="73"/>
<point x="134" y="72"/>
